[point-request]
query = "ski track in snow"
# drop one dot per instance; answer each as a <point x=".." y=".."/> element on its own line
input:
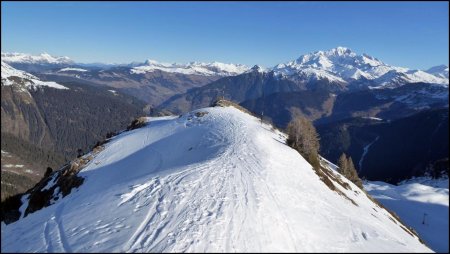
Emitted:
<point x="54" y="234"/>
<point x="225" y="185"/>
<point x="147" y="237"/>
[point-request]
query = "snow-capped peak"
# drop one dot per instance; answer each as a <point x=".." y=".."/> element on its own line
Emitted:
<point x="43" y="58"/>
<point x="257" y="68"/>
<point x="10" y="77"/>
<point x="340" y="51"/>
<point x="343" y="65"/>
<point x="193" y="68"/>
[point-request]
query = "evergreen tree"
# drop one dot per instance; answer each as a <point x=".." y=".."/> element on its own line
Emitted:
<point x="342" y="164"/>
<point x="347" y="169"/>
<point x="48" y="172"/>
<point x="353" y="173"/>
<point x="303" y="137"/>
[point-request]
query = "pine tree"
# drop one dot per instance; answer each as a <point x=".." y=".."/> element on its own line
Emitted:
<point x="342" y="164"/>
<point x="303" y="137"/>
<point x="347" y="169"/>
<point x="353" y="173"/>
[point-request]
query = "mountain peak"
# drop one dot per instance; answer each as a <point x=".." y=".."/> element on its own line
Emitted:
<point x="151" y="62"/>
<point x="257" y="68"/>
<point x="439" y="71"/>
<point x="441" y="67"/>
<point x="340" y="51"/>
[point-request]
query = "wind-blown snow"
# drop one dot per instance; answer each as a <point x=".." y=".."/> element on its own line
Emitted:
<point x="9" y="74"/>
<point x="411" y="200"/>
<point x="221" y="182"/>
<point x="193" y="68"/>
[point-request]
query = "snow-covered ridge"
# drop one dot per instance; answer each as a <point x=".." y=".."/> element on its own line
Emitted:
<point x="72" y="69"/>
<point x="43" y="58"/>
<point x="343" y="65"/>
<point x="213" y="180"/>
<point x="9" y="74"/>
<point x="192" y="68"/>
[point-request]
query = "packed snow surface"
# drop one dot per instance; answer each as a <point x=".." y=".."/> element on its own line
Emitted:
<point x="10" y="76"/>
<point x="215" y="182"/>
<point x="422" y="203"/>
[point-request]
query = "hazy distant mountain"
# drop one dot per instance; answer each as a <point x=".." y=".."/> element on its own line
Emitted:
<point x="439" y="71"/>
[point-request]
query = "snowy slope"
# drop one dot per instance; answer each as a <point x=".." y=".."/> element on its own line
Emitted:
<point x="203" y="183"/>
<point x="192" y="68"/>
<point x="11" y="76"/>
<point x="342" y="65"/>
<point x="43" y="58"/>
<point x="414" y="198"/>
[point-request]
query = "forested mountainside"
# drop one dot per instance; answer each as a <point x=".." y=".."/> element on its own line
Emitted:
<point x="47" y="126"/>
<point x="390" y="151"/>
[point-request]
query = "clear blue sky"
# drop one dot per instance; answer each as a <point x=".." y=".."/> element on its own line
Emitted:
<point x="409" y="34"/>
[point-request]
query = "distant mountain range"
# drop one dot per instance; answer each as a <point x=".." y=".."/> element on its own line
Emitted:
<point x="340" y="65"/>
